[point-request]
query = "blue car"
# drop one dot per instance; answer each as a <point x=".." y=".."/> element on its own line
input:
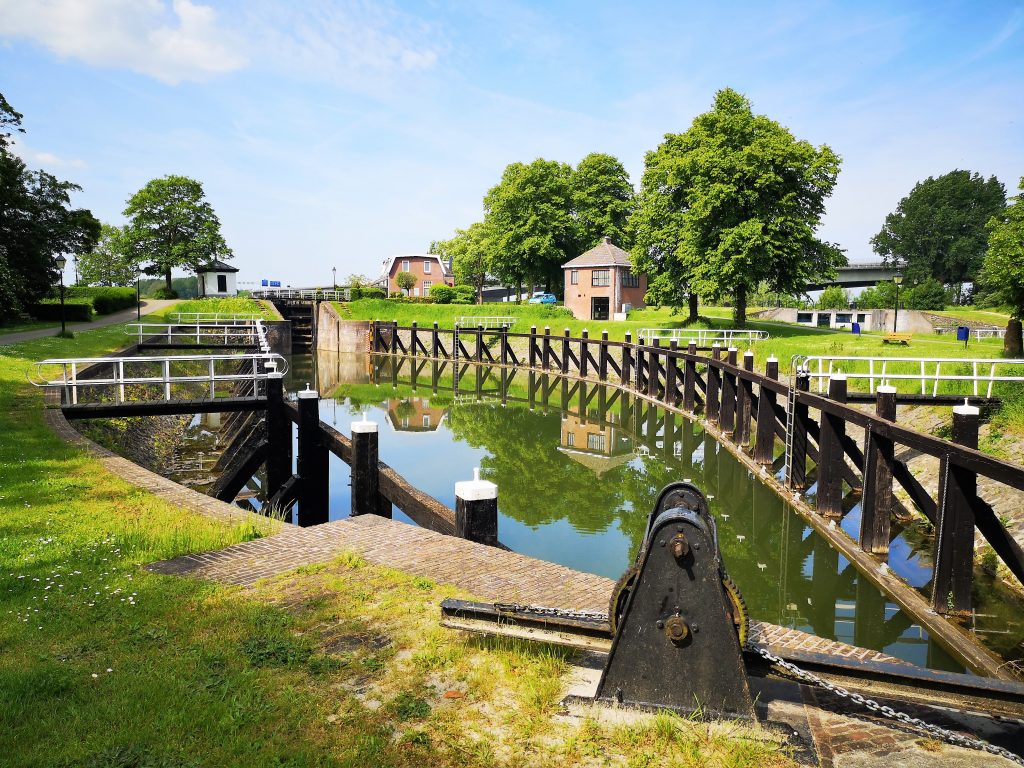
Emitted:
<point x="543" y="298"/>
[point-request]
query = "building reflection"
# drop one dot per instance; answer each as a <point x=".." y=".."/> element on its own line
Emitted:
<point x="414" y="414"/>
<point x="599" y="448"/>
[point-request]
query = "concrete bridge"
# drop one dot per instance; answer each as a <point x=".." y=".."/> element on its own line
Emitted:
<point x="858" y="275"/>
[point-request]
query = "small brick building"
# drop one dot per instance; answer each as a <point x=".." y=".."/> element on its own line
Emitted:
<point x="600" y="283"/>
<point x="430" y="270"/>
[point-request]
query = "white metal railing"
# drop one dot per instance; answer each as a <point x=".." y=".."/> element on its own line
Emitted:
<point x="155" y="370"/>
<point x="181" y="318"/>
<point x="928" y="372"/>
<point x="250" y="334"/>
<point x="989" y="333"/>
<point x="704" y="337"/>
<point x="311" y="294"/>
<point x="486" y="322"/>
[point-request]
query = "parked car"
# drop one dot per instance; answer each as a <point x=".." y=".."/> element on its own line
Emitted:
<point x="543" y="298"/>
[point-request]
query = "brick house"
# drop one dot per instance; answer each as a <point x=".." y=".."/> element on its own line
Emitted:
<point x="429" y="270"/>
<point x="596" y="447"/>
<point x="600" y="283"/>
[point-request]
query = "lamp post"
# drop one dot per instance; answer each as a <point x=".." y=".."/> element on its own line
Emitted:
<point x="61" y="262"/>
<point x="334" y="277"/>
<point x="896" y="310"/>
<point x="138" y="296"/>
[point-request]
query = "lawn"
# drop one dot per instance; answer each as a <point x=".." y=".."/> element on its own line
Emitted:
<point x="105" y="665"/>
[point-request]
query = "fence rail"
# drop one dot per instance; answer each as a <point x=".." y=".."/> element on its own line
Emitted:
<point x="485" y="322"/>
<point x="704" y="337"/>
<point x="305" y="294"/>
<point x="929" y="373"/>
<point x="224" y="318"/>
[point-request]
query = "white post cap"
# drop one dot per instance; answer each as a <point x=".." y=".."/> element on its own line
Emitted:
<point x="365" y="425"/>
<point x="966" y="409"/>
<point x="307" y="393"/>
<point x="772" y="359"/>
<point x="886" y="389"/>
<point x="476" y="489"/>
<point x="749" y="353"/>
<point x="733" y="349"/>
<point x="837" y="376"/>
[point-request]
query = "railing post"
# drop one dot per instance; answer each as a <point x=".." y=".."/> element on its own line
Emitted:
<point x="545" y="357"/>
<point x="602" y="360"/>
<point x="671" y="391"/>
<point x="312" y="463"/>
<point x="533" y="346"/>
<point x="366" y="470"/>
<point x="583" y="353"/>
<point x="413" y="338"/>
<point x="831" y="456"/>
<point x="279" y="433"/>
<point x="479" y="343"/>
<point x="764" y="441"/>
<point x="435" y="342"/>
<point x="877" y="502"/>
<point x="798" y="440"/>
<point x="690" y="378"/>
<point x="476" y="510"/>
<point x="712" y="403"/>
<point x="727" y="417"/>
<point x="954" y="528"/>
<point x="744" y="398"/>
<point x="503" y="341"/>
<point x="627" y="360"/>
<point x="639" y="365"/>
<point x="565" y="351"/>
<point x="652" y="369"/>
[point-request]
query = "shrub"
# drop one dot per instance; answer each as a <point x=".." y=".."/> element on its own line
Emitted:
<point x="105" y="300"/>
<point x="464" y="294"/>
<point x="442" y="294"/>
<point x="371" y="293"/>
<point x="834" y="297"/>
<point x="78" y="310"/>
<point x="163" y="293"/>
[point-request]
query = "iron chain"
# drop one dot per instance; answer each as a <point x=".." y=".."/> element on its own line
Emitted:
<point x="944" y="734"/>
<point x="542" y="610"/>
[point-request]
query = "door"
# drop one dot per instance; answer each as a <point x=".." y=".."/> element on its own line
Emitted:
<point x="222" y="283"/>
<point x="599" y="308"/>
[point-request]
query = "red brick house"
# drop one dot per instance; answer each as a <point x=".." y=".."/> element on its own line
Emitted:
<point x="429" y="270"/>
<point x="600" y="283"/>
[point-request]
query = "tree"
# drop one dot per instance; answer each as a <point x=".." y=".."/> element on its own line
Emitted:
<point x="834" y="297"/>
<point x="406" y="281"/>
<point x="470" y="254"/>
<point x="928" y="294"/>
<point x="1003" y="270"/>
<point x="110" y="262"/>
<point x="938" y="230"/>
<point x="734" y="201"/>
<point x="37" y="224"/>
<point x="602" y="201"/>
<point x="171" y="225"/>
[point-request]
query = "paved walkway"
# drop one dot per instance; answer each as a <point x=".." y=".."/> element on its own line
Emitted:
<point x="124" y="316"/>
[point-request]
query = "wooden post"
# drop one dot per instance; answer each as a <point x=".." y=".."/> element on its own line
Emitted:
<point x="877" y="501"/>
<point x="476" y="510"/>
<point x="583" y="353"/>
<point x="744" y="398"/>
<point x="652" y="369"/>
<point x="533" y="346"/>
<point x="435" y="341"/>
<point x="504" y="347"/>
<point x="479" y="344"/>
<point x="602" y="364"/>
<point x="954" y="529"/>
<point x="365" y="470"/>
<point x="627" y="361"/>
<point x="798" y="442"/>
<point x="831" y="456"/>
<point x="712" y="404"/>
<point x="690" y="379"/>
<point x="639" y="362"/>
<point x="413" y="338"/>
<point x="546" y="352"/>
<point x="565" y="351"/>
<point x="764" y="441"/>
<point x="727" y="417"/>
<point x="312" y="463"/>
<point x="279" y="433"/>
<point x="374" y="336"/>
<point x="671" y="390"/>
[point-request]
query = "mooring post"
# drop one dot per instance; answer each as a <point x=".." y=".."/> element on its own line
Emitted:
<point x="690" y="378"/>
<point x="602" y="362"/>
<point x="313" y="474"/>
<point x="831" y="456"/>
<point x="798" y="441"/>
<point x="365" y="469"/>
<point x="954" y="529"/>
<point x="627" y="361"/>
<point x="479" y="343"/>
<point x="712" y="404"/>
<point x="545" y="354"/>
<point x="878" y="503"/>
<point x="583" y="353"/>
<point x="744" y="398"/>
<point x="435" y="341"/>
<point x="413" y="338"/>
<point x="652" y="369"/>
<point x="279" y="433"/>
<point x="764" y="440"/>
<point x="565" y="351"/>
<point x="727" y="417"/>
<point x="476" y="510"/>
<point x="671" y="362"/>
<point x="640" y="365"/>
<point x="533" y="346"/>
<point x="503" y="339"/>
<point x="374" y="336"/>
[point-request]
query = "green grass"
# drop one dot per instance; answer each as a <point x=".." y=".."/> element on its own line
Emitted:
<point x="28" y="325"/>
<point x="104" y="664"/>
<point x="240" y="306"/>
<point x="994" y="317"/>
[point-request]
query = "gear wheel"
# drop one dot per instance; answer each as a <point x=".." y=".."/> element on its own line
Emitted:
<point x="740" y="617"/>
<point x="620" y="594"/>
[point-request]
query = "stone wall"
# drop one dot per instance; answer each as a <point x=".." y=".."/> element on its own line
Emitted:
<point x="279" y="335"/>
<point x="336" y="334"/>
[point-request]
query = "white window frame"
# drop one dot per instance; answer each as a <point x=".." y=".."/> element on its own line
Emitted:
<point x="405" y="265"/>
<point x="426" y="267"/>
<point x="426" y="286"/>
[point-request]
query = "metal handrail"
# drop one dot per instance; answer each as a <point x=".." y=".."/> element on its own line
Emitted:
<point x="703" y="336"/>
<point x="315" y="294"/>
<point x="929" y="370"/>
<point x="251" y="332"/>
<point x="181" y="318"/>
<point x="487" y="322"/>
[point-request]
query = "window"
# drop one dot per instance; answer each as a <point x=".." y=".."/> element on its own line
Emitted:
<point x="595" y="442"/>
<point x="405" y="265"/>
<point x="844" y="317"/>
<point x="574" y="277"/>
<point x="805" y="317"/>
<point x="601" y="277"/>
<point x="426" y="267"/>
<point x="862" y="318"/>
<point x="426" y="419"/>
<point x="629" y="280"/>
<point x="570" y="439"/>
<point x="426" y="286"/>
<point x="222" y="283"/>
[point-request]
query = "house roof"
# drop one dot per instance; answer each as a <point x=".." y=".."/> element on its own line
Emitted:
<point x="597" y="463"/>
<point x="604" y="254"/>
<point x="216" y="266"/>
<point x="390" y="260"/>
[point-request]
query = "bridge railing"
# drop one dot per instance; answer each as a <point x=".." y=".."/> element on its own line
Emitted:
<point x="485" y="322"/>
<point x="251" y="333"/>
<point x="304" y="294"/>
<point x="208" y="318"/>
<point x="704" y="337"/>
<point x="947" y="375"/>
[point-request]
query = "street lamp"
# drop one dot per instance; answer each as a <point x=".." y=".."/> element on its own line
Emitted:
<point x="138" y="296"/>
<point x="334" y="277"/>
<point x="61" y="263"/>
<point x="896" y="311"/>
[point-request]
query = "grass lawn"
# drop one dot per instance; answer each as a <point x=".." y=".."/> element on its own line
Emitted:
<point x="993" y="317"/>
<point x="105" y="665"/>
<point x="29" y="325"/>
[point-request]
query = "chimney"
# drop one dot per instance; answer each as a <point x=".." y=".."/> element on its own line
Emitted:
<point x="607" y="240"/>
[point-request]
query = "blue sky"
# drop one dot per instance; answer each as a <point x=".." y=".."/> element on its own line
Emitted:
<point x="335" y="134"/>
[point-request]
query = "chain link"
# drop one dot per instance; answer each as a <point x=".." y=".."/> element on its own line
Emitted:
<point x="542" y="610"/>
<point x="941" y="733"/>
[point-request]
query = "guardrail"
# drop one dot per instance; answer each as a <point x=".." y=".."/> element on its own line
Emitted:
<point x="704" y="337"/>
<point x="305" y="294"/>
<point x="182" y="318"/>
<point x="929" y="372"/>
<point x="484" y="322"/>
<point x="251" y="334"/>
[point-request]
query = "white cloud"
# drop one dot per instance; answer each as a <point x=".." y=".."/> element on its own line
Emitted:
<point x="180" y="43"/>
<point x="46" y="160"/>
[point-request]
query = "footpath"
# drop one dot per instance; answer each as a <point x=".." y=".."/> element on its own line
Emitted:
<point x="124" y="316"/>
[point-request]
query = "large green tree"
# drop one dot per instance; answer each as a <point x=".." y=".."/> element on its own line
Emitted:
<point x="938" y="230"/>
<point x="471" y="252"/>
<point x="602" y="202"/>
<point x="37" y="224"/>
<point x="111" y="262"/>
<point x="734" y="201"/>
<point x="171" y="225"/>
<point x="1003" y="270"/>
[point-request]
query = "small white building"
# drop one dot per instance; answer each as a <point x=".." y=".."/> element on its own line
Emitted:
<point x="216" y="279"/>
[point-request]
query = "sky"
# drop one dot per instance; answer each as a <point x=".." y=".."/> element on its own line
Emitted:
<point x="333" y="134"/>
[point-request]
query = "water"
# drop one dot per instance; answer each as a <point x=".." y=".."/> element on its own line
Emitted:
<point x="579" y="471"/>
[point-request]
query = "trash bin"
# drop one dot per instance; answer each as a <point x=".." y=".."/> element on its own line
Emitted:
<point x="855" y="328"/>
<point x="963" y="333"/>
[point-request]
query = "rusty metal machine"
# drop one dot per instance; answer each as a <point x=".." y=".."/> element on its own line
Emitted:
<point x="676" y="638"/>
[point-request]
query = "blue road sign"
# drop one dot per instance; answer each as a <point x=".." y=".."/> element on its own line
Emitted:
<point x="264" y="283"/>
<point x="275" y="283"/>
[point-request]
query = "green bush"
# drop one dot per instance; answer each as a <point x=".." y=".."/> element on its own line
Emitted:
<point x="105" y="300"/>
<point x="464" y="294"/>
<point x="77" y="310"/>
<point x="164" y="293"/>
<point x="371" y="293"/>
<point x="834" y="297"/>
<point x="442" y="294"/>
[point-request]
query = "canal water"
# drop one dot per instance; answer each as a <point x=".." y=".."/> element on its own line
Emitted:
<point x="577" y="474"/>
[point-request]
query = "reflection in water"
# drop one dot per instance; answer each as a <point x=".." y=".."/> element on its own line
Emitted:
<point x="579" y="467"/>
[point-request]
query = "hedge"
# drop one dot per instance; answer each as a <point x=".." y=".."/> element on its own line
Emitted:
<point x="77" y="310"/>
<point x="442" y="294"/>
<point x="105" y="300"/>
